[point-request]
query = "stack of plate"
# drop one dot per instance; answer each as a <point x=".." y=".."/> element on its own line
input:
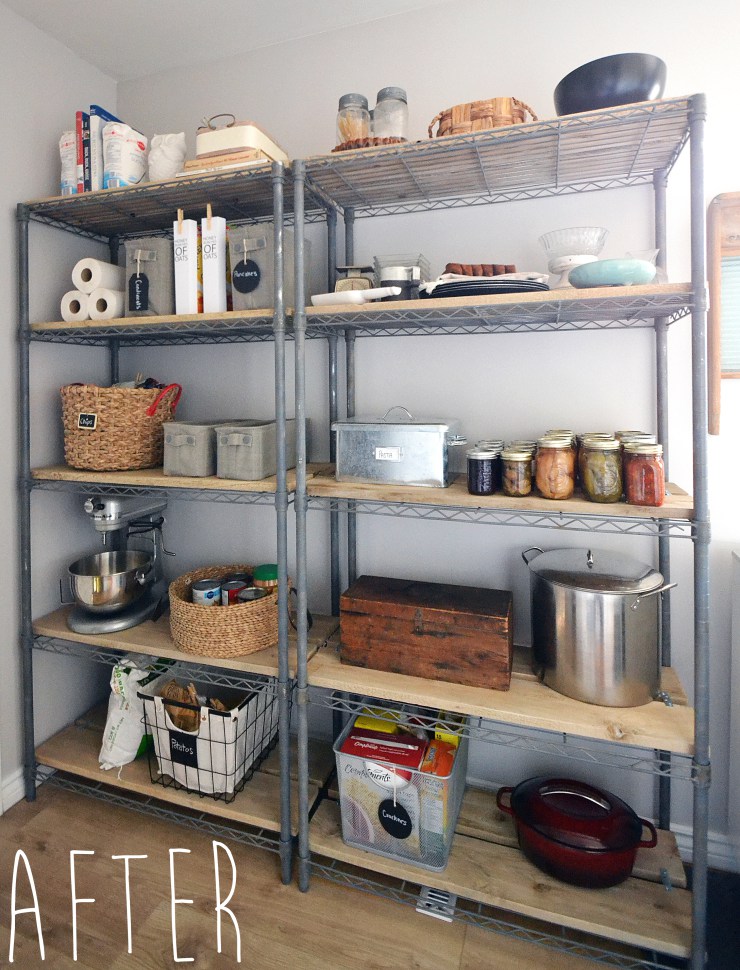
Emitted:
<point x="483" y="286"/>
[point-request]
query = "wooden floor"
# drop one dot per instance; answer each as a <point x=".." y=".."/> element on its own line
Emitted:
<point x="330" y="927"/>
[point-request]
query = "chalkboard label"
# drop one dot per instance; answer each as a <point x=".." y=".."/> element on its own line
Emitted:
<point x="184" y="749"/>
<point x="87" y="422"/>
<point x="395" y="819"/>
<point x="246" y="276"/>
<point x="138" y="292"/>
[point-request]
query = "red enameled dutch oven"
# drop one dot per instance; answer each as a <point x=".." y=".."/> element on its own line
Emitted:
<point x="575" y="832"/>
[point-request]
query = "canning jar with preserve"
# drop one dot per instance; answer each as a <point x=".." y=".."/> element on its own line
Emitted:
<point x="601" y="469"/>
<point x="644" y="474"/>
<point x="353" y="118"/>
<point x="516" y="472"/>
<point x="555" y="468"/>
<point x="484" y="471"/>
<point x="580" y="439"/>
<point x="391" y="115"/>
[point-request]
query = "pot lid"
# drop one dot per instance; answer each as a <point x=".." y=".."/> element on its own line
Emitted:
<point x="576" y="814"/>
<point x="596" y="570"/>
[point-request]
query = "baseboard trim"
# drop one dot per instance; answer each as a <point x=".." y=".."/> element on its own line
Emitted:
<point x="722" y="850"/>
<point x="12" y="790"/>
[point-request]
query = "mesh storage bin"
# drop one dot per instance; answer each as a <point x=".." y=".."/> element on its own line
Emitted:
<point x="248" y="450"/>
<point x="223" y="753"/>
<point x="412" y="820"/>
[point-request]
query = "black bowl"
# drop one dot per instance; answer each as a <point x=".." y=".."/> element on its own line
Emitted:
<point x="609" y="81"/>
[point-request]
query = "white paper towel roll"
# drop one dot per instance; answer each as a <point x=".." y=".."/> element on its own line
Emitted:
<point x="104" y="304"/>
<point x="74" y="306"/>
<point x="93" y="274"/>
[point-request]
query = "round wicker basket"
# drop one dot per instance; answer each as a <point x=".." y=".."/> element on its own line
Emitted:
<point x="221" y="631"/>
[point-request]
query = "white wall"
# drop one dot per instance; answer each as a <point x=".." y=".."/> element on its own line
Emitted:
<point x="43" y="85"/>
<point x="458" y="52"/>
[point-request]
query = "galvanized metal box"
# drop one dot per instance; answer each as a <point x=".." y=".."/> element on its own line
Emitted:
<point x="411" y="452"/>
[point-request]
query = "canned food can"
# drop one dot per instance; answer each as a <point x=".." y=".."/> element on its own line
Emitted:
<point x="230" y="589"/>
<point x="245" y="578"/>
<point x="251" y="593"/>
<point x="206" y="592"/>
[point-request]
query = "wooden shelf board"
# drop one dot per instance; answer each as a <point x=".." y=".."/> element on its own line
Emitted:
<point x="321" y="761"/>
<point x="480" y="819"/>
<point x="260" y="319"/>
<point x="637" y="912"/>
<point x="155" y="639"/>
<point x="323" y="484"/>
<point x="527" y="703"/>
<point x="75" y="750"/>
<point x="540" y="298"/>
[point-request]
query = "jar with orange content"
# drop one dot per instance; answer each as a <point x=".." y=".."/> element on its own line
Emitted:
<point x="555" y="468"/>
<point x="644" y="474"/>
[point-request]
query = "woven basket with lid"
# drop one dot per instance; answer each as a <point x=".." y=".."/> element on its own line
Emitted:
<point x="480" y="115"/>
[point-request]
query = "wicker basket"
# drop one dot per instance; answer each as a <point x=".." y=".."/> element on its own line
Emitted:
<point x="221" y="631"/>
<point x="116" y="428"/>
<point x="480" y="115"/>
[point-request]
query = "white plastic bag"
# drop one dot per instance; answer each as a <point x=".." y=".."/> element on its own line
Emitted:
<point x="166" y="156"/>
<point x="124" y="155"/>
<point x="123" y="737"/>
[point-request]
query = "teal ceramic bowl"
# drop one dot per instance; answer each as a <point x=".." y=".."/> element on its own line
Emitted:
<point x="612" y="272"/>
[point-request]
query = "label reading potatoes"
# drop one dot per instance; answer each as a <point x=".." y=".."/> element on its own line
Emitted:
<point x="395" y="819"/>
<point x="388" y="454"/>
<point x="87" y="422"/>
<point x="184" y="749"/>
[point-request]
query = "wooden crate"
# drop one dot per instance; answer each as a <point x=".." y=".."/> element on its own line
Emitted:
<point x="461" y="634"/>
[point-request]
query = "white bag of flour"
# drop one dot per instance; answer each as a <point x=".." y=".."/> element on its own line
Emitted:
<point x="124" y="155"/>
<point x="123" y="737"/>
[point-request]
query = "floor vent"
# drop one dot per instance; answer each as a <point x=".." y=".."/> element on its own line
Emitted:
<point x="437" y="903"/>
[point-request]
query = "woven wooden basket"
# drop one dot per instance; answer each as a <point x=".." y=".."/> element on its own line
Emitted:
<point x="116" y="428"/>
<point x="221" y="631"/>
<point x="480" y="115"/>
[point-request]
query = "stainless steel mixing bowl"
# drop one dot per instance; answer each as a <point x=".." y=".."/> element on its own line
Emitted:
<point x="109" y="581"/>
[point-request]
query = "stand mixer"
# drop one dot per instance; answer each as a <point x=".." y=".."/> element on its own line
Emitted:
<point x="123" y="586"/>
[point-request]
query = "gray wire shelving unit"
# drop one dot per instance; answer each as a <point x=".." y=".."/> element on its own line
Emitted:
<point x="109" y="216"/>
<point x="633" y="145"/>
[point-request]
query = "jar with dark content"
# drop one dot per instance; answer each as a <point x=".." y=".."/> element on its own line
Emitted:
<point x="484" y="471"/>
<point x="516" y="472"/>
<point x="601" y="469"/>
<point x="644" y="474"/>
<point x="555" y="468"/>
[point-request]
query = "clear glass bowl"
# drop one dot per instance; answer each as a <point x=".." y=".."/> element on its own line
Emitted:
<point x="576" y="241"/>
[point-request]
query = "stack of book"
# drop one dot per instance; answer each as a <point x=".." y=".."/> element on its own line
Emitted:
<point x="89" y="146"/>
<point x="221" y="161"/>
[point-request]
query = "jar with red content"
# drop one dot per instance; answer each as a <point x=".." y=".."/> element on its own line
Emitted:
<point x="644" y="474"/>
<point x="555" y="468"/>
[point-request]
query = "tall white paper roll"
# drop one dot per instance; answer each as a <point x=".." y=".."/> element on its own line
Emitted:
<point x="93" y="274"/>
<point x="74" y="306"/>
<point x="104" y="304"/>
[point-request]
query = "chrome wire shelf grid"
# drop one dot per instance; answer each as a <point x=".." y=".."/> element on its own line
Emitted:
<point x="477" y="914"/>
<point x="200" y="821"/>
<point x="599" y="524"/>
<point x="173" y="493"/>
<point x="162" y="332"/>
<point x="197" y="669"/>
<point x="596" y="150"/>
<point x="238" y="196"/>
<point x="618" y="311"/>
<point x="558" y="744"/>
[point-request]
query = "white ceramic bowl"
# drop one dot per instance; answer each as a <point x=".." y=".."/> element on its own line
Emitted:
<point x="576" y="241"/>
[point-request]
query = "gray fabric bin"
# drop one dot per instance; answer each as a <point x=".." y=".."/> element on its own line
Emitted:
<point x="150" y="277"/>
<point x="252" y="261"/>
<point x="248" y="451"/>
<point x="190" y="447"/>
